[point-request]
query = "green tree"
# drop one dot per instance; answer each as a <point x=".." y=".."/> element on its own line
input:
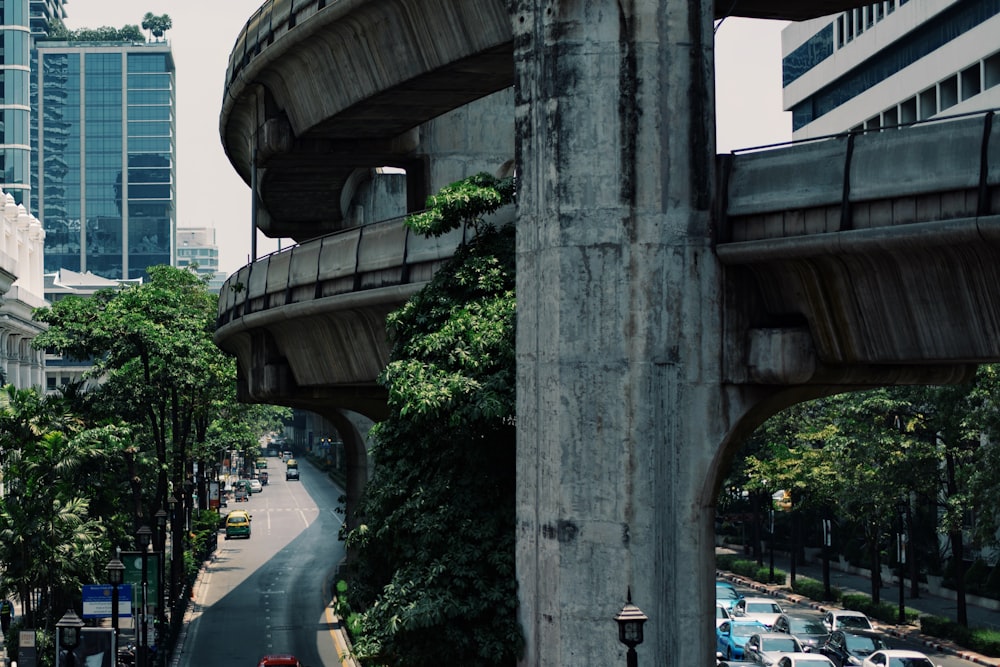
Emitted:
<point x="157" y="25"/>
<point x="435" y="539"/>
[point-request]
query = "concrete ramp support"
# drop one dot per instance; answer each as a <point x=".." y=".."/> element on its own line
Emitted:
<point x="620" y="404"/>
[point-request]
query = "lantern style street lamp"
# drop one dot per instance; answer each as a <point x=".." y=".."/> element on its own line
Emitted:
<point x="630" y="620"/>
<point x="161" y="546"/>
<point x="68" y="628"/>
<point x="116" y="575"/>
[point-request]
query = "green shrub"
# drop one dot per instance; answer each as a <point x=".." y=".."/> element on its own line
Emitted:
<point x="986" y="641"/>
<point x="992" y="588"/>
<point x="725" y="561"/>
<point x="814" y="590"/>
<point x="763" y="575"/>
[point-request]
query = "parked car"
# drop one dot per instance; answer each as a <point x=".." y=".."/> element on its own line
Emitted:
<point x="846" y="619"/>
<point x="809" y="630"/>
<point x="846" y="648"/>
<point x="721" y="614"/>
<point x="279" y="660"/>
<point x="726" y="593"/>
<point x="802" y="660"/>
<point x="731" y="636"/>
<point x="898" y="658"/>
<point x="238" y="524"/>
<point x="256" y="486"/>
<point x="764" y="610"/>
<point x="764" y="648"/>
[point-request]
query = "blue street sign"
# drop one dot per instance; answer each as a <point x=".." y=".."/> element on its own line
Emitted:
<point x="97" y="601"/>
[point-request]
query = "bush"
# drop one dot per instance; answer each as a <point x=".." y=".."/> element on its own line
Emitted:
<point x="981" y="640"/>
<point x="749" y="569"/>
<point x="814" y="590"/>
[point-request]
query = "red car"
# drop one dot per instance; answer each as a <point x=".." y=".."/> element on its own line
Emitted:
<point x="279" y="660"/>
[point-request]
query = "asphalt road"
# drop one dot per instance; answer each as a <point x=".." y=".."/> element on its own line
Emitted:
<point x="938" y="658"/>
<point x="270" y="593"/>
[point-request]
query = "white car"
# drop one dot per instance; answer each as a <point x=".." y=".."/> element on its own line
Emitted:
<point x="897" y="658"/>
<point x="762" y="610"/>
<point x="256" y="486"/>
<point x="764" y="648"/>
<point x="845" y="619"/>
<point x="802" y="660"/>
<point x="721" y="614"/>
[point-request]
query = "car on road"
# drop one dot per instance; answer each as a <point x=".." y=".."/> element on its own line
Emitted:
<point x="721" y="614"/>
<point x="256" y="486"/>
<point x="897" y="658"/>
<point x="764" y="648"/>
<point x="846" y="619"/>
<point x="846" y="648"/>
<point x="763" y="610"/>
<point x="238" y="524"/>
<point x="292" y="473"/>
<point x="809" y="630"/>
<point x="261" y="463"/>
<point x="279" y="660"/>
<point x="241" y="494"/>
<point x="802" y="660"/>
<point x="726" y="593"/>
<point x="263" y="477"/>
<point x="731" y="637"/>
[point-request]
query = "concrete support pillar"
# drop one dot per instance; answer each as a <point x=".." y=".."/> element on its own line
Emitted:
<point x="621" y="412"/>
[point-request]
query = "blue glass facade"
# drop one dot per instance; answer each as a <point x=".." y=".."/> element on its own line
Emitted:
<point x="15" y="112"/>
<point x="106" y="183"/>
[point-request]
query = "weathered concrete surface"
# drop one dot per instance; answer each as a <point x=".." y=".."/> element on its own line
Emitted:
<point x="316" y="89"/>
<point x="621" y="408"/>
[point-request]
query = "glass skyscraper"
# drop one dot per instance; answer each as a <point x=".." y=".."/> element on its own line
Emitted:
<point x="103" y="181"/>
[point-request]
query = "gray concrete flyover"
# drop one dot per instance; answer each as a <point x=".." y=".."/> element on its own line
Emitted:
<point x="317" y="88"/>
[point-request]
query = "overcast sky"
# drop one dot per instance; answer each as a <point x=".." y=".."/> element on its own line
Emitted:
<point x="209" y="193"/>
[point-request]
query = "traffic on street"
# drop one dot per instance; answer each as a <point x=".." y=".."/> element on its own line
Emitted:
<point x="263" y="598"/>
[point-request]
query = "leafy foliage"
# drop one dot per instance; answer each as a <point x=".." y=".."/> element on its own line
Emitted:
<point x="465" y="202"/>
<point x="435" y="544"/>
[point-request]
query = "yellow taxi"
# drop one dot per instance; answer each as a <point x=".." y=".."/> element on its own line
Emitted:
<point x="238" y="524"/>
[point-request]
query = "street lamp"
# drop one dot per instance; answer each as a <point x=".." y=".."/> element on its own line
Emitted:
<point x="143" y="537"/>
<point x="68" y="628"/>
<point x="116" y="575"/>
<point x="161" y="537"/>
<point x="901" y="508"/>
<point x="630" y="620"/>
<point x="172" y="505"/>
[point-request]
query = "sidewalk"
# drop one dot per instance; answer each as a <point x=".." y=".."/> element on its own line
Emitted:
<point x="849" y="582"/>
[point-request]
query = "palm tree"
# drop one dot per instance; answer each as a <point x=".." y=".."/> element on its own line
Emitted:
<point x="157" y="25"/>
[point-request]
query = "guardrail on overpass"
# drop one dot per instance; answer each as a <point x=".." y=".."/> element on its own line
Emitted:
<point x="378" y="255"/>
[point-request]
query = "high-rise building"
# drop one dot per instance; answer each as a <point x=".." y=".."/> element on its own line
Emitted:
<point x="196" y="247"/>
<point x="19" y="21"/>
<point x="891" y="63"/>
<point x="104" y="156"/>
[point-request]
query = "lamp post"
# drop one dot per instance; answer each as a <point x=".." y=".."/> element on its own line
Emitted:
<point x="901" y="508"/>
<point x="143" y="537"/>
<point x="68" y="628"/>
<point x="630" y="620"/>
<point x="172" y="505"/>
<point x="116" y="575"/>
<point x="161" y="539"/>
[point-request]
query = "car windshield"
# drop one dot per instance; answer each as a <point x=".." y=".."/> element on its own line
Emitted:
<point x="779" y="645"/>
<point x="810" y="662"/>
<point x="745" y="630"/>
<point x="236" y="519"/>
<point x="763" y="608"/>
<point x="910" y="662"/>
<point x="806" y="626"/>
<point x="853" y="622"/>
<point x="862" y="645"/>
<point x="720" y="612"/>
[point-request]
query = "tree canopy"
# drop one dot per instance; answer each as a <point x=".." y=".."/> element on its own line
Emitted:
<point x="435" y="540"/>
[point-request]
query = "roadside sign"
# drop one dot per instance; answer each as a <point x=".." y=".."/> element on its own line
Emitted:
<point x="97" y="601"/>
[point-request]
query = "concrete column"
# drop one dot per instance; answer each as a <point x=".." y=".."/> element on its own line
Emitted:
<point x="621" y="411"/>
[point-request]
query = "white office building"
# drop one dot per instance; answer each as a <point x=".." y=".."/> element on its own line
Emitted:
<point x="891" y="63"/>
